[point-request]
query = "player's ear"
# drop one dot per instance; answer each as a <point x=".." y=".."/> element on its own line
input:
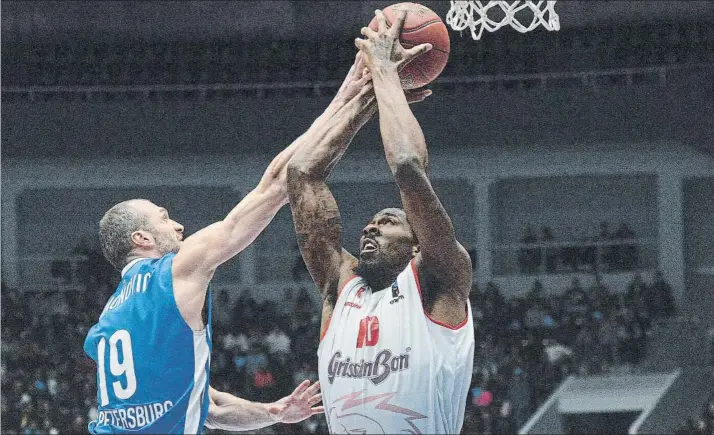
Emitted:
<point x="415" y="250"/>
<point x="142" y="238"/>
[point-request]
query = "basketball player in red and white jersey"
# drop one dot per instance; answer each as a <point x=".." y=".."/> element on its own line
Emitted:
<point x="397" y="340"/>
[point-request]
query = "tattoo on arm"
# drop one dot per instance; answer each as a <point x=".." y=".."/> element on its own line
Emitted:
<point x="319" y="232"/>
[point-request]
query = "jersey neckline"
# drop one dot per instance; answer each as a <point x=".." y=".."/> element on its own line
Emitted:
<point x="131" y="264"/>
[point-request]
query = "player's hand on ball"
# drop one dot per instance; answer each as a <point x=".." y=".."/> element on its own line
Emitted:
<point x="299" y="405"/>
<point x="382" y="48"/>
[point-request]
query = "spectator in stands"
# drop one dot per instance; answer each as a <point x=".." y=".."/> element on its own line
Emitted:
<point x="606" y="336"/>
<point x="223" y="309"/>
<point x="551" y="254"/>
<point x="570" y="258"/>
<point x="536" y="293"/>
<point x="639" y="300"/>
<point x="586" y="348"/>
<point x="608" y="254"/>
<point x="246" y="311"/>
<point x="705" y="424"/>
<point x="278" y="344"/>
<point x="636" y="289"/>
<point x="600" y="297"/>
<point x="575" y="300"/>
<point x="529" y="258"/>
<point x="505" y="419"/>
<point x="661" y="297"/>
<point x="588" y="254"/>
<point x="628" y="257"/>
<point x="519" y="396"/>
<point x="534" y="320"/>
<point x="493" y="310"/>
<point x="710" y="337"/>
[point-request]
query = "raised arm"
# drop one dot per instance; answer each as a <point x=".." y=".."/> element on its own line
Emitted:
<point x="442" y="261"/>
<point x="203" y="252"/>
<point x="315" y="214"/>
<point x="232" y="413"/>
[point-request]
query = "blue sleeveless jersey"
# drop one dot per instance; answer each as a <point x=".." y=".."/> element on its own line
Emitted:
<point x="152" y="368"/>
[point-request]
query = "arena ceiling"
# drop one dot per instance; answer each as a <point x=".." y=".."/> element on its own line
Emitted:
<point x="202" y="19"/>
<point x="33" y="22"/>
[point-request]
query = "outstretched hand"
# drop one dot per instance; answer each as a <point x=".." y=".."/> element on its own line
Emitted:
<point x="382" y="48"/>
<point x="298" y="405"/>
<point x="357" y="77"/>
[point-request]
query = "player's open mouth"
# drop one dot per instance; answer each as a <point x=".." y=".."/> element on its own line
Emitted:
<point x="368" y="246"/>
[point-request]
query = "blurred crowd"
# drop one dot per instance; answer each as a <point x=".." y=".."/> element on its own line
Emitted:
<point x="48" y="384"/>
<point x="525" y="347"/>
<point x="608" y="251"/>
<point x="528" y="345"/>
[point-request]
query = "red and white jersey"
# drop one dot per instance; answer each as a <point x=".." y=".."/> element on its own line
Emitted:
<point x="386" y="367"/>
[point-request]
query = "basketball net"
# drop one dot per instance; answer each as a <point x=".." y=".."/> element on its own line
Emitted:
<point x="474" y="15"/>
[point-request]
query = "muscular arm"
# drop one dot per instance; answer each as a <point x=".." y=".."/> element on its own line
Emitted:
<point x="442" y="259"/>
<point x="210" y="247"/>
<point x="315" y="213"/>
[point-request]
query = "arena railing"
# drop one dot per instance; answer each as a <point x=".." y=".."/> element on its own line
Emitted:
<point x="593" y="78"/>
<point x="553" y="258"/>
<point x="72" y="272"/>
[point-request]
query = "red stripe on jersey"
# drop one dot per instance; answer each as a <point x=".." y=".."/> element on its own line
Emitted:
<point x="453" y="328"/>
<point x="339" y="292"/>
<point x="324" y="331"/>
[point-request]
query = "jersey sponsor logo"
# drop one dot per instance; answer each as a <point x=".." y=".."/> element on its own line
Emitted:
<point x="133" y="417"/>
<point x="358" y="295"/>
<point x="376" y="371"/>
<point x="396" y="297"/>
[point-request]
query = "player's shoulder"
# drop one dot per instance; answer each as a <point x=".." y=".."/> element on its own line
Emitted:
<point x="148" y="264"/>
<point x="348" y="282"/>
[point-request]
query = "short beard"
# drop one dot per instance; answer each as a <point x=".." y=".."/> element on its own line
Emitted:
<point x="379" y="274"/>
<point x="166" y="246"/>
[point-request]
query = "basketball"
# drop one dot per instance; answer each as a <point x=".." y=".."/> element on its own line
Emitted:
<point x="421" y="26"/>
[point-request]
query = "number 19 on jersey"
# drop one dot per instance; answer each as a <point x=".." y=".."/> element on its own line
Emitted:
<point x="121" y="364"/>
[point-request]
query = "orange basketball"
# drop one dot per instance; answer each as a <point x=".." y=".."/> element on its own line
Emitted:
<point x="422" y="25"/>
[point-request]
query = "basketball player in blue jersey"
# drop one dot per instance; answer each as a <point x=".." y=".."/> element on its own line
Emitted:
<point x="152" y="343"/>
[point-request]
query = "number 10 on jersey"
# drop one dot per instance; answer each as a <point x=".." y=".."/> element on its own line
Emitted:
<point x="125" y="367"/>
<point x="368" y="332"/>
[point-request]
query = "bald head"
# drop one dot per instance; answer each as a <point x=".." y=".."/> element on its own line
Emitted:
<point x="393" y="211"/>
<point x="401" y="216"/>
<point x="116" y="227"/>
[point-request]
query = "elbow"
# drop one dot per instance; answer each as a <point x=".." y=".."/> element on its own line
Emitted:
<point x="408" y="168"/>
<point x="297" y="171"/>
<point x="297" y="176"/>
<point x="304" y="169"/>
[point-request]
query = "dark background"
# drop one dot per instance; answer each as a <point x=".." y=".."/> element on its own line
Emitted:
<point x="186" y="102"/>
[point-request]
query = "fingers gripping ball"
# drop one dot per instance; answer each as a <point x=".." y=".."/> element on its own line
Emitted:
<point x="421" y="26"/>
